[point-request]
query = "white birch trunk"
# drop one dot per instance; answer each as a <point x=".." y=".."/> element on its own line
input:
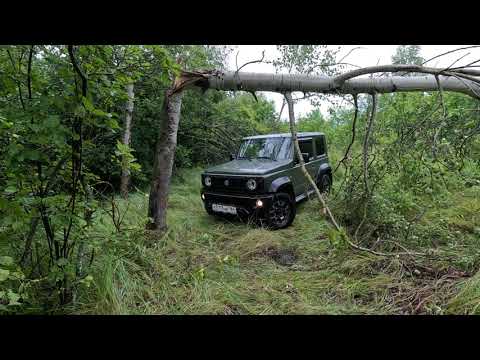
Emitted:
<point x="164" y="159"/>
<point x="282" y="83"/>
<point x="125" y="179"/>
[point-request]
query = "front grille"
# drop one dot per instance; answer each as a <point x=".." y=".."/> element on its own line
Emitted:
<point x="234" y="185"/>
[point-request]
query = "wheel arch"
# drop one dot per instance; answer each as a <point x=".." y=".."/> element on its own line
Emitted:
<point x="325" y="169"/>
<point x="282" y="184"/>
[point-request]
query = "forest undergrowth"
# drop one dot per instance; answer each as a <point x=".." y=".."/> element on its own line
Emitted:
<point x="205" y="265"/>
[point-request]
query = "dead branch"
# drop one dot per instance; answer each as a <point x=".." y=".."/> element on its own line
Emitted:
<point x="250" y="62"/>
<point x="365" y="143"/>
<point x="449" y="52"/>
<point x="460" y="58"/>
<point x="293" y="131"/>
<point x="288" y="98"/>
<point x="365" y="163"/>
<point x="437" y="132"/>
<point x="351" y="51"/>
<point x="355" y="101"/>
<point x="340" y="79"/>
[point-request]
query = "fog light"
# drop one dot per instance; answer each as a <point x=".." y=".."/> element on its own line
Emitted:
<point x="203" y="196"/>
<point x="259" y="203"/>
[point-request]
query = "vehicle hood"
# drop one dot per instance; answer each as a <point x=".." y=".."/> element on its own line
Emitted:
<point x="248" y="167"/>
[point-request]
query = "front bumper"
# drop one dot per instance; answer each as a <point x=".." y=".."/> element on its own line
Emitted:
<point x="246" y="204"/>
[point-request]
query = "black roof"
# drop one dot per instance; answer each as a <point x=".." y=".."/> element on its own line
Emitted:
<point x="300" y="135"/>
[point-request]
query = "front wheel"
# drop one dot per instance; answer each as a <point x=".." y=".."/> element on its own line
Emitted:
<point x="281" y="212"/>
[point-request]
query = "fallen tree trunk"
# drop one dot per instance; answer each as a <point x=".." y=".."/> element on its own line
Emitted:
<point x="282" y="83"/>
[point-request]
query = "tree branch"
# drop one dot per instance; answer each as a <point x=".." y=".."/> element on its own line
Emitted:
<point x="293" y="131"/>
<point x="355" y="101"/>
<point x="449" y="52"/>
<point x="78" y="70"/>
<point x="29" y="73"/>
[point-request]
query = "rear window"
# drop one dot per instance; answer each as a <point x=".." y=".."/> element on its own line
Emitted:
<point x="306" y="146"/>
<point x="320" y="145"/>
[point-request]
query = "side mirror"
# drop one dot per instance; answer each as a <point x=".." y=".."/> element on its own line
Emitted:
<point x="232" y="157"/>
<point x="306" y="157"/>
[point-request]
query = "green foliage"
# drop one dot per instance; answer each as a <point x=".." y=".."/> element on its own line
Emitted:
<point x="204" y="265"/>
<point x="408" y="55"/>
<point x="213" y="125"/>
<point x="125" y="159"/>
<point x="68" y="244"/>
<point x="307" y="59"/>
<point x="13" y="286"/>
<point x="59" y="141"/>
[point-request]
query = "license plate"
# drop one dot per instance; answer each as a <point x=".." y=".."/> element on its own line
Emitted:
<point x="224" y="209"/>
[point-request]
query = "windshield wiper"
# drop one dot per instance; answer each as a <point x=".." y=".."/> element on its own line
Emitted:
<point x="266" y="157"/>
<point x="244" y="158"/>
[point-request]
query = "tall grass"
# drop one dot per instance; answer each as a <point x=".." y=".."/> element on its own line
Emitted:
<point x="205" y="265"/>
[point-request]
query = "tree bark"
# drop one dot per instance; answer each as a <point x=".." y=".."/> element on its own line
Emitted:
<point x="340" y="85"/>
<point x="125" y="179"/>
<point x="164" y="158"/>
<point x="28" y="243"/>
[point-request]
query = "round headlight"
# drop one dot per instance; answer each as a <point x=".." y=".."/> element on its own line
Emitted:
<point x="208" y="181"/>
<point x="251" y="184"/>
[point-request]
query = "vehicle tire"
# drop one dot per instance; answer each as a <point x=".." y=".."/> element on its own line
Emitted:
<point x="281" y="211"/>
<point x="209" y="210"/>
<point x="324" y="184"/>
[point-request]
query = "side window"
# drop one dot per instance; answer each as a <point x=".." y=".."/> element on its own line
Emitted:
<point x="306" y="146"/>
<point x="320" y="145"/>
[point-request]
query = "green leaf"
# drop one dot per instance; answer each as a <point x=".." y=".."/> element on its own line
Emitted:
<point x="4" y="274"/>
<point x="6" y="260"/>
<point x="13" y="297"/>
<point x="11" y="189"/>
<point x="62" y="262"/>
<point x="17" y="275"/>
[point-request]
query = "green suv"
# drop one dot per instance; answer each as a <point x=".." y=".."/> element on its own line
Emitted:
<point x="264" y="179"/>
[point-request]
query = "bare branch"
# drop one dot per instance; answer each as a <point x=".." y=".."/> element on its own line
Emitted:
<point x="365" y="143"/>
<point x="368" y="131"/>
<point x="352" y="50"/>
<point x="78" y="70"/>
<point x="340" y="80"/>
<point x="29" y="73"/>
<point x="449" y="52"/>
<point x="437" y="132"/>
<point x="293" y="131"/>
<point x="460" y="58"/>
<point x="355" y="101"/>
<point x="281" y="110"/>
<point x="251" y="62"/>
<point x="464" y="67"/>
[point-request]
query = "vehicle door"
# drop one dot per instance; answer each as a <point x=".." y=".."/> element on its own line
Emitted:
<point x="321" y="156"/>
<point x="301" y="182"/>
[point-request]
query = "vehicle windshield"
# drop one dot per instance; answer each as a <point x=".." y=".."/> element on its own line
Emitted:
<point x="277" y="148"/>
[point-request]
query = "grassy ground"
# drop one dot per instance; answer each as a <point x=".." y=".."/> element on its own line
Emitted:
<point x="205" y="265"/>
